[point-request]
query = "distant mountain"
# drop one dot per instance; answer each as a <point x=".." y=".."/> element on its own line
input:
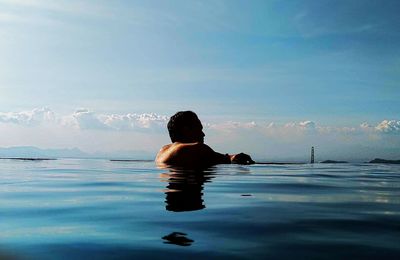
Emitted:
<point x="378" y="160"/>
<point x="35" y="152"/>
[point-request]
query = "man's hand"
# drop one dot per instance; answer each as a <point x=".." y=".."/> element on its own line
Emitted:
<point x="241" y="158"/>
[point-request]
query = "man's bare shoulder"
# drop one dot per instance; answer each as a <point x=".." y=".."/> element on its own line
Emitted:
<point x="162" y="155"/>
<point x="165" y="147"/>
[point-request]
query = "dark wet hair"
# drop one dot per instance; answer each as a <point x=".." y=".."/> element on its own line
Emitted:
<point x="178" y="122"/>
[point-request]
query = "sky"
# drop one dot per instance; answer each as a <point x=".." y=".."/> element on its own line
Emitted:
<point x="270" y="78"/>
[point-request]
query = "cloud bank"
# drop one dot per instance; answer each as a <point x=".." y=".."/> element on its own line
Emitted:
<point x="389" y="126"/>
<point x="93" y="131"/>
<point x="85" y="119"/>
<point x="34" y="117"/>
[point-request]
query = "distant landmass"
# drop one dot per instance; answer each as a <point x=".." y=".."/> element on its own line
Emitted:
<point x="32" y="152"/>
<point x="332" y="161"/>
<point x="35" y="152"/>
<point x="27" y="159"/>
<point x="378" y="160"/>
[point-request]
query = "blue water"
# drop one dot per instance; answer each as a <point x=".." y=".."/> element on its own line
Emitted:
<point x="98" y="209"/>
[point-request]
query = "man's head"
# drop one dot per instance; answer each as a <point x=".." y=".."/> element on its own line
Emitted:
<point x="185" y="127"/>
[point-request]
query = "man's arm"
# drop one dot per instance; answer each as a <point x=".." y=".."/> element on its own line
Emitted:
<point x="217" y="158"/>
<point x="221" y="158"/>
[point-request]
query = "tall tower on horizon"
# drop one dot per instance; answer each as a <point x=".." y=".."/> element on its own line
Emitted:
<point x="312" y="154"/>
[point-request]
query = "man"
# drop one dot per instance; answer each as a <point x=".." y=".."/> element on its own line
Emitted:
<point x="188" y="148"/>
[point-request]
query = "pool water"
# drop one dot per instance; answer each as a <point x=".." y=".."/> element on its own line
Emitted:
<point x="101" y="209"/>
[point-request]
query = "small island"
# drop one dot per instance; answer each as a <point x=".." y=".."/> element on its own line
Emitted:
<point x="378" y="160"/>
<point x="332" y="161"/>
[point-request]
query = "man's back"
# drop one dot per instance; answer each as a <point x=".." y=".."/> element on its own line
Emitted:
<point x="189" y="154"/>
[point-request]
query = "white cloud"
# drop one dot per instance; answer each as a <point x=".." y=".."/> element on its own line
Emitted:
<point x="307" y="124"/>
<point x="230" y="126"/>
<point x="365" y="125"/>
<point x="32" y="117"/>
<point x="388" y="126"/>
<point x="85" y="119"/>
<point x="147" y="121"/>
<point x="302" y="124"/>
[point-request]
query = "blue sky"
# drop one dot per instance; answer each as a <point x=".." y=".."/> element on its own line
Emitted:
<point x="335" y="63"/>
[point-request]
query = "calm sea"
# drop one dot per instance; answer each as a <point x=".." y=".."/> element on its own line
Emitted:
<point x="99" y="209"/>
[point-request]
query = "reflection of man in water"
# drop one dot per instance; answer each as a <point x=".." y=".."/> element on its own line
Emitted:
<point x="185" y="189"/>
<point x="188" y="148"/>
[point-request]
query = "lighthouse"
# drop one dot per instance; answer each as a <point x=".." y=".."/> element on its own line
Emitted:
<point x="312" y="155"/>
